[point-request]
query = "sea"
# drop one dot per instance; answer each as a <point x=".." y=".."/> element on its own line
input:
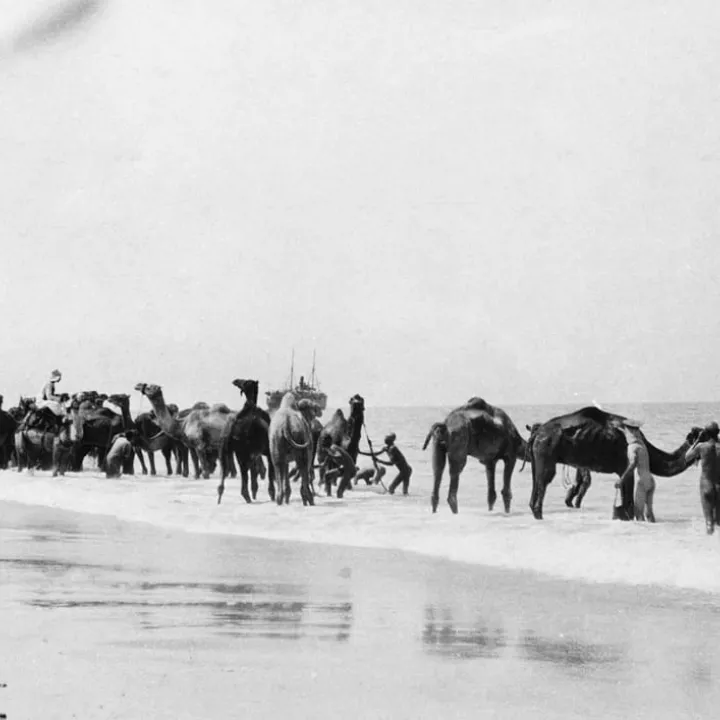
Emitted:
<point x="575" y="544"/>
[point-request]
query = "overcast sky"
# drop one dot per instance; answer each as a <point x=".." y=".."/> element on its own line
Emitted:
<point x="518" y="200"/>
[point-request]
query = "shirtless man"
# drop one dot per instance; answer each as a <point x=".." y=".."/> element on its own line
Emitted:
<point x="338" y="463"/>
<point x="707" y="451"/>
<point x="48" y="398"/>
<point x="397" y="459"/>
<point x="639" y="461"/>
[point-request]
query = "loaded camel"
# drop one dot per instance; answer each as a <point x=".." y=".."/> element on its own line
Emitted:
<point x="479" y="430"/>
<point x="590" y="438"/>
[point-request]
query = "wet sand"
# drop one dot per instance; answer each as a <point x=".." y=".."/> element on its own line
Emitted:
<point x="105" y="619"/>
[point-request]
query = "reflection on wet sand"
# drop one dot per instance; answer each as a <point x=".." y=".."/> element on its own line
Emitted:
<point x="568" y="652"/>
<point x="242" y="609"/>
<point x="443" y="636"/>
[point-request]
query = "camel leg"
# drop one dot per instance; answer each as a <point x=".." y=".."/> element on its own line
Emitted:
<point x="196" y="463"/>
<point x="244" y="479"/>
<point x="508" y="467"/>
<point x="626" y="510"/>
<point x="455" y="466"/>
<point x="167" y="454"/>
<point x="491" y="492"/>
<point x="139" y="454"/>
<point x="151" y="460"/>
<point x="439" y="457"/>
<point x="271" y="478"/>
<point x="253" y="480"/>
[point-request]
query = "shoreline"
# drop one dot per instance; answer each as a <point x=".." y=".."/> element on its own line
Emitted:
<point x="678" y="594"/>
<point x="123" y="618"/>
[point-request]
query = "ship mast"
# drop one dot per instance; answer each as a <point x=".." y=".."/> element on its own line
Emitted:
<point x="292" y="370"/>
<point x="312" y="375"/>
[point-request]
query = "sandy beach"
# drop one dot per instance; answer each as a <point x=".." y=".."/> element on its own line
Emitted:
<point x="110" y="619"/>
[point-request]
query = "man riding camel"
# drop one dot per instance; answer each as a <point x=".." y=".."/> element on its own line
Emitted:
<point x="48" y="398"/>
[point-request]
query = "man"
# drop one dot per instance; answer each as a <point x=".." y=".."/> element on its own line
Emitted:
<point x="48" y="398"/>
<point x="338" y="463"/>
<point x="396" y="459"/>
<point x="638" y="460"/>
<point x="706" y="450"/>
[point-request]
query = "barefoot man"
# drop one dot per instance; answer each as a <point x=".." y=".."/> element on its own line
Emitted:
<point x="638" y="460"/>
<point x="707" y="451"/>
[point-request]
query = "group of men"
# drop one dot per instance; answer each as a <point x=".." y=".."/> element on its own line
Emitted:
<point x="705" y="450"/>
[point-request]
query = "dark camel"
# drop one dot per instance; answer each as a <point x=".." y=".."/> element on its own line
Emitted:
<point x="151" y="438"/>
<point x="8" y="425"/>
<point x="479" y="430"/>
<point x="247" y="439"/>
<point x="343" y="432"/>
<point x="590" y="438"/>
<point x="291" y="441"/>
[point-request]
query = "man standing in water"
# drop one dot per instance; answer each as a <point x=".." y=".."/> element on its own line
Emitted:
<point x="638" y="460"/>
<point x="706" y="450"/>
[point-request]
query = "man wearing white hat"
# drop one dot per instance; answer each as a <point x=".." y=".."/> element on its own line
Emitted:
<point x="47" y="396"/>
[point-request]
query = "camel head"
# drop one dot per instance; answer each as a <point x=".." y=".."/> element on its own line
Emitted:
<point x="249" y="388"/>
<point x="357" y="402"/>
<point x="172" y="408"/>
<point x="120" y="399"/>
<point x="152" y="392"/>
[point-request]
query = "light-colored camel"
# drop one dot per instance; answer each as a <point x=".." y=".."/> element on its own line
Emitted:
<point x="479" y="430"/>
<point x="291" y="441"/>
<point x="201" y="429"/>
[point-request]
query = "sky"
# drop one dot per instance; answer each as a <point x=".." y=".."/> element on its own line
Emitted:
<point x="512" y="199"/>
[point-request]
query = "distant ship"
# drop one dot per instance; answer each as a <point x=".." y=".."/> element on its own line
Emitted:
<point x="310" y="390"/>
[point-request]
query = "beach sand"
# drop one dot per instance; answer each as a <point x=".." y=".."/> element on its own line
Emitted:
<point x="104" y="618"/>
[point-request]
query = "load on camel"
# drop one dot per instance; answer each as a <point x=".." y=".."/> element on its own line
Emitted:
<point x="480" y="430"/>
<point x="591" y="438"/>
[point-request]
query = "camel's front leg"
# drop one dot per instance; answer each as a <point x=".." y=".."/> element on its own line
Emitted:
<point x="509" y="467"/>
<point x="491" y="492"/>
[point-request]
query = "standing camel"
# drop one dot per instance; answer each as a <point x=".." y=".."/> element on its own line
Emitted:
<point x="590" y="438"/>
<point x="479" y="430"/>
<point x="201" y="428"/>
<point x="247" y="438"/>
<point x="343" y="432"/>
<point x="291" y="440"/>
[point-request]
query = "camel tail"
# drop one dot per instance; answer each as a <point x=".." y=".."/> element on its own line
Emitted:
<point x="437" y="431"/>
<point x="288" y="436"/>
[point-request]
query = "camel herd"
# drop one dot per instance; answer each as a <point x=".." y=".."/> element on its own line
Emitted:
<point x="293" y="440"/>
<point x="33" y="436"/>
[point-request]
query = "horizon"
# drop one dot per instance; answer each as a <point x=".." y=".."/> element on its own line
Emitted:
<point x="516" y="201"/>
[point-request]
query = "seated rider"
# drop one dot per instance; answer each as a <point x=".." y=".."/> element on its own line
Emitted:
<point x="397" y="459"/>
<point x="48" y="398"/>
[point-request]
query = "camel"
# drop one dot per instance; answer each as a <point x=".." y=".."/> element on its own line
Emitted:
<point x="479" y="430"/>
<point x="247" y="438"/>
<point x="99" y="427"/>
<point x="65" y="442"/>
<point x="201" y="428"/>
<point x="343" y="432"/>
<point x="8" y="425"/>
<point x="291" y="440"/>
<point x="34" y="439"/>
<point x="151" y="438"/>
<point x="590" y="438"/>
